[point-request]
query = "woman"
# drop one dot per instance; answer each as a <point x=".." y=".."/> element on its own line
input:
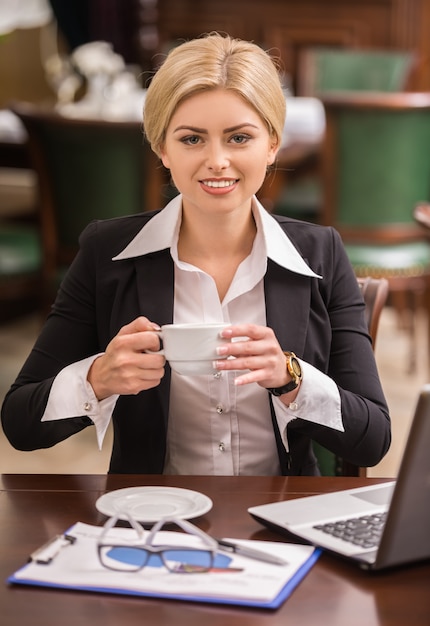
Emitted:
<point x="214" y="114"/>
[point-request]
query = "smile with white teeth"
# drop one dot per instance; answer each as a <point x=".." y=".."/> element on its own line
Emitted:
<point x="219" y="183"/>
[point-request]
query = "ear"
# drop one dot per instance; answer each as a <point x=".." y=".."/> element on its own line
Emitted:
<point x="164" y="159"/>
<point x="273" y="151"/>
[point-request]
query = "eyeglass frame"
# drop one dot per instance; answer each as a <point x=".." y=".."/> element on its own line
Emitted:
<point x="211" y="545"/>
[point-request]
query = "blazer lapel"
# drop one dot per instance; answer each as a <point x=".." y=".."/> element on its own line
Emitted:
<point x="287" y="313"/>
<point x="287" y="306"/>
<point x="155" y="286"/>
<point x="155" y="278"/>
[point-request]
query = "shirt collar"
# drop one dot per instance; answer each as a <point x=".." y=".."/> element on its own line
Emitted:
<point x="162" y="230"/>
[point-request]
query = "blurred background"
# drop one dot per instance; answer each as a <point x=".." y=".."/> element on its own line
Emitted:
<point x="355" y="154"/>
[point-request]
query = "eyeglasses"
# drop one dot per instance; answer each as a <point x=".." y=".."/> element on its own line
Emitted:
<point x="131" y="556"/>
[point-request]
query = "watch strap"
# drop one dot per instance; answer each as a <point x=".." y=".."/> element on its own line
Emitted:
<point x="279" y="391"/>
<point x="294" y="372"/>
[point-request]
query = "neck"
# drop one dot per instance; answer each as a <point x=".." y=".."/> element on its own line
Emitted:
<point x="217" y="245"/>
<point x="214" y="235"/>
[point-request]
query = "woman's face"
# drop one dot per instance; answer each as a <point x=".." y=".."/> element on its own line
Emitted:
<point x="217" y="149"/>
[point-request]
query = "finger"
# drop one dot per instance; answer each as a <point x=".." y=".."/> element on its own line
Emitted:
<point x="136" y="367"/>
<point x="125" y="373"/>
<point x="246" y="331"/>
<point x="137" y="341"/>
<point x="249" y="377"/>
<point x="267" y="348"/>
<point x="139" y="324"/>
<point x="136" y="383"/>
<point x="261" y="364"/>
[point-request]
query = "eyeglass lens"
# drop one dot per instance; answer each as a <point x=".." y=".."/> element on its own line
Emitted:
<point x="132" y="559"/>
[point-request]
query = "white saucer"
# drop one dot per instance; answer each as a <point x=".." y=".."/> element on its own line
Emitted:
<point x="149" y="504"/>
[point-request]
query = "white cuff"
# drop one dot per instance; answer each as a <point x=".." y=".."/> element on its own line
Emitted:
<point x="71" y="395"/>
<point x="318" y="401"/>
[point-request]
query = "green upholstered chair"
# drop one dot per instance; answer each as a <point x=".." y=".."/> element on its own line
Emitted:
<point x="376" y="167"/>
<point x="324" y="69"/>
<point x="20" y="267"/>
<point x="375" y="293"/>
<point x="86" y="169"/>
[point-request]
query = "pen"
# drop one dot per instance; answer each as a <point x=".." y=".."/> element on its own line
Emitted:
<point x="47" y="553"/>
<point x="251" y="553"/>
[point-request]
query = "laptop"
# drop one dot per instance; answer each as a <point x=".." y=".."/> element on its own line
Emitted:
<point x="378" y="526"/>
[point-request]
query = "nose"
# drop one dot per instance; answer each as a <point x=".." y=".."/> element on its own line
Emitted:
<point x="217" y="158"/>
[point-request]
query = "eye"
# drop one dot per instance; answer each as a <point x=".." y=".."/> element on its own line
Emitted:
<point x="240" y="138"/>
<point x="190" y="140"/>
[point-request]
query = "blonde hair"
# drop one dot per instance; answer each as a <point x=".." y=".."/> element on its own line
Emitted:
<point x="211" y="62"/>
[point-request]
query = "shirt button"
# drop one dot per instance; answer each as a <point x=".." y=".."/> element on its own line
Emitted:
<point x="293" y="406"/>
<point x="219" y="409"/>
<point x="88" y="406"/>
<point x="221" y="446"/>
<point x="218" y="375"/>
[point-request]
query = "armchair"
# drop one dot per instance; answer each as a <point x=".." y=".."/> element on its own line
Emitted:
<point x="86" y="169"/>
<point x="375" y="168"/>
<point x="20" y="267"/>
<point x="324" y="69"/>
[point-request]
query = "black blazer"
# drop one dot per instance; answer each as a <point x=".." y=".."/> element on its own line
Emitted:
<point x="321" y="320"/>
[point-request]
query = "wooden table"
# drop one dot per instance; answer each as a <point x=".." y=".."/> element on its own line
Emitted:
<point x="33" y="508"/>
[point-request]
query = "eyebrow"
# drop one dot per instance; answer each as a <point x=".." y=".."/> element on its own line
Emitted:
<point x="195" y="129"/>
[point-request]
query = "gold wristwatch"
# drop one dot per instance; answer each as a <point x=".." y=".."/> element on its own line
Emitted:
<point x="294" y="370"/>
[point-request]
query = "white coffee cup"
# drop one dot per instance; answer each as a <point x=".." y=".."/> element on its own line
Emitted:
<point x="191" y="348"/>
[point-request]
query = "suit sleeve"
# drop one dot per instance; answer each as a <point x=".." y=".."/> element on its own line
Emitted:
<point x="350" y="363"/>
<point x="69" y="335"/>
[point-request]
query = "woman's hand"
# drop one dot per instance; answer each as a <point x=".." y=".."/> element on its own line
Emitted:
<point x="125" y="368"/>
<point x="259" y="352"/>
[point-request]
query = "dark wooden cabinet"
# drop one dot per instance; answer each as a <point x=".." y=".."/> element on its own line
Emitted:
<point x="291" y="25"/>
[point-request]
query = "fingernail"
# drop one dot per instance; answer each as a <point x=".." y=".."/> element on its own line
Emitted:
<point x="221" y="350"/>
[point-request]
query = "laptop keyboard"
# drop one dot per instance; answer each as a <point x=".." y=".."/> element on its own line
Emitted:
<point x="364" y="531"/>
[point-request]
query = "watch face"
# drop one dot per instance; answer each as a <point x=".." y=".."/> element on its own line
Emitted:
<point x="295" y="366"/>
